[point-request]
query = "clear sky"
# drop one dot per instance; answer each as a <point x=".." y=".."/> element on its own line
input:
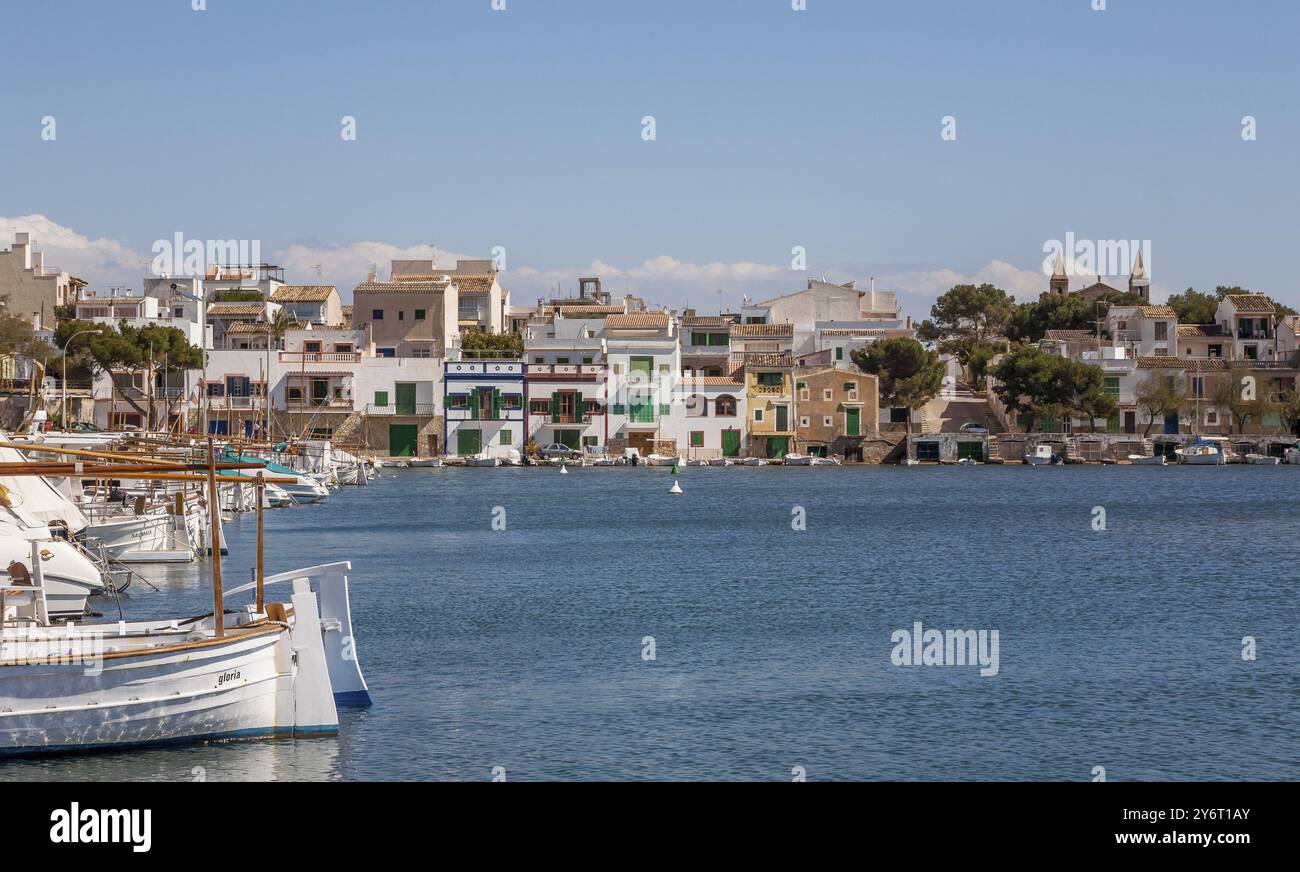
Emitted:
<point x="775" y="128"/>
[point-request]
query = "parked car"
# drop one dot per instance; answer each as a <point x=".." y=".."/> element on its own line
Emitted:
<point x="974" y="429"/>
<point x="556" y="449"/>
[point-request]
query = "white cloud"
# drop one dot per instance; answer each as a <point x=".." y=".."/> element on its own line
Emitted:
<point x="346" y="266"/>
<point x="95" y="260"/>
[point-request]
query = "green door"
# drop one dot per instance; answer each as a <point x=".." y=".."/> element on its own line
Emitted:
<point x="778" y="446"/>
<point x="970" y="450"/>
<point x="568" y="438"/>
<point x="405" y="398"/>
<point x="403" y="440"/>
<point x="468" y="441"/>
<point x="730" y="443"/>
<point x="852" y="427"/>
<point x="782" y="418"/>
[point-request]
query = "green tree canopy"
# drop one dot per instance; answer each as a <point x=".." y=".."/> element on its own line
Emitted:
<point x="909" y="375"/>
<point x="479" y="344"/>
<point x="1044" y="385"/>
<point x="974" y="312"/>
<point x="1159" y="394"/>
<point x="1030" y="322"/>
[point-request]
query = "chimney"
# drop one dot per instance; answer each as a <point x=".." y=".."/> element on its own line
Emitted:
<point x="873" y="284"/>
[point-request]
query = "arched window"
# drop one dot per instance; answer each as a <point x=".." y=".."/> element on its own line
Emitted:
<point x="697" y="406"/>
<point x="725" y="406"/>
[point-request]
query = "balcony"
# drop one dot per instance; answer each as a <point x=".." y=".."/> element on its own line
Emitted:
<point x="418" y="410"/>
<point x="467" y="414"/>
<point x="564" y="371"/>
<point x="302" y="357"/>
<point x="769" y="390"/>
<point x="334" y="404"/>
<point x="584" y="418"/>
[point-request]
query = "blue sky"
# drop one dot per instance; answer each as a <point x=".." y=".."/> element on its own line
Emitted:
<point x="775" y="128"/>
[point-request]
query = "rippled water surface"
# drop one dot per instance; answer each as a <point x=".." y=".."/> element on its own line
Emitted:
<point x="523" y="648"/>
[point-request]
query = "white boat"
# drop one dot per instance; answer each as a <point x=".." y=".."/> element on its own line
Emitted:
<point x="1203" y="452"/>
<point x="967" y="461"/>
<point x="1147" y="459"/>
<point x="426" y="461"/>
<point x="1292" y="454"/>
<point x="70" y="576"/>
<point x="911" y="461"/>
<point x="607" y="461"/>
<point x="1042" y="455"/>
<point x="279" y="672"/>
<point x="793" y="459"/>
<point x="1262" y="460"/>
<point x="156" y="536"/>
<point x="482" y="460"/>
<point x="830" y="461"/>
<point x="662" y="460"/>
<point x="720" y="461"/>
<point x="276" y="496"/>
<point x="753" y="461"/>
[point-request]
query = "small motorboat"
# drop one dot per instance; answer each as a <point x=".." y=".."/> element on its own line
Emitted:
<point x="607" y="461"/>
<point x="967" y="461"/>
<point x="1147" y="459"/>
<point x="661" y="460"/>
<point x="1262" y="460"/>
<point x="911" y="461"/>
<point x="697" y="463"/>
<point x="482" y="460"/>
<point x="1042" y="455"/>
<point x="720" y="461"/>
<point x="1292" y="454"/>
<point x="826" y="461"/>
<point x="794" y="459"/>
<point x="1202" y="452"/>
<point x="753" y="461"/>
<point x="426" y="461"/>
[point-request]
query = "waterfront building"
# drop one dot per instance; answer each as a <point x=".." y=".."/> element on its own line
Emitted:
<point x="761" y="358"/>
<point x="32" y="288"/>
<point x="1145" y="331"/>
<point x="241" y="325"/>
<point x="318" y="305"/>
<point x="822" y="302"/>
<point x="709" y="416"/>
<point x="644" y="360"/>
<point x="483" y="407"/>
<point x="838" y="410"/>
<point x="410" y="318"/>
<point x="481" y="302"/>
<point x="706" y="345"/>
<point x="565" y="375"/>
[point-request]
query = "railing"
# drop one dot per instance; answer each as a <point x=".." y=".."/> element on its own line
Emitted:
<point x="564" y="369"/>
<point x="320" y="356"/>
<point x="409" y="409"/>
<point x="584" y="418"/>
<point x="770" y="390"/>
<point x="1254" y="334"/>
<point x="466" y="414"/>
<point x="1246" y="363"/>
<point x="320" y="403"/>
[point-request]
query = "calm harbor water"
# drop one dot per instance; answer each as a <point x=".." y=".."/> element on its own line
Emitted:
<point x="522" y="648"/>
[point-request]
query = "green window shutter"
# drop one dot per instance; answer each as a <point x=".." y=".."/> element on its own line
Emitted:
<point x="839" y="352"/>
<point x="555" y="407"/>
<point x="446" y="401"/>
<point x="665" y="409"/>
<point x="577" y="405"/>
<point x="381" y="398"/>
<point x="616" y="409"/>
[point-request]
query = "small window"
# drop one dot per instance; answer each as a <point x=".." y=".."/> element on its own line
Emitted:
<point x="839" y="352"/>
<point x="561" y="360"/>
<point x="803" y="421"/>
<point x="376" y="314"/>
<point x="401" y="315"/>
<point x="381" y="398"/>
<point x="422" y="353"/>
<point x="537" y="360"/>
<point x="827" y="421"/>
<point x="385" y="352"/>
<point x="827" y="394"/>
<point x="697" y="438"/>
<point x="539" y="407"/>
<point x="758" y="415"/>
<point x="505" y="437"/>
<point x="618" y="369"/>
<point x="343" y="347"/>
<point x="663" y="368"/>
<point x="419" y="314"/>
<point x="586" y="360"/>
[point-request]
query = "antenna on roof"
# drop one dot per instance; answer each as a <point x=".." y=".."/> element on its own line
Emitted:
<point x="317" y="267"/>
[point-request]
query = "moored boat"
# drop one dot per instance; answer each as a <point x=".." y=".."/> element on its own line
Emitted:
<point x="1262" y="460"/>
<point x="1203" y="452"/>
<point x="1146" y="459"/>
<point x="1042" y="455"/>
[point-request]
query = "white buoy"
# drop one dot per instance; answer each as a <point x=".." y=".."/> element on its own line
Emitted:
<point x="675" y="489"/>
<point x="564" y="470"/>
